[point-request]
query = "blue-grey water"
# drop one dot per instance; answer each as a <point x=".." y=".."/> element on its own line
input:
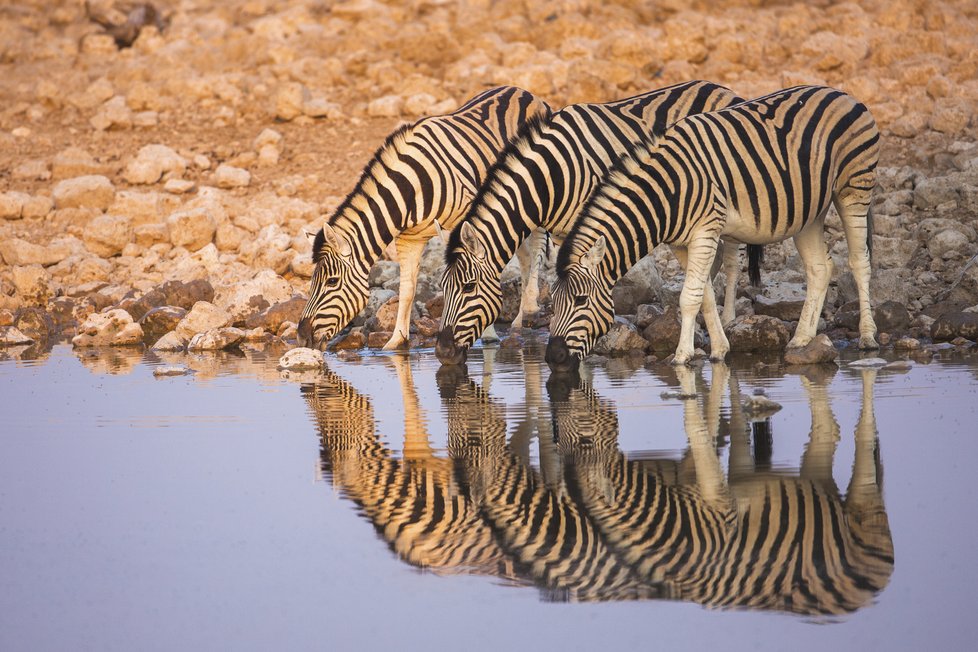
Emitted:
<point x="387" y="505"/>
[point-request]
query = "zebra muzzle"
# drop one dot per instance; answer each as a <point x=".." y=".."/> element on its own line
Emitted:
<point x="559" y="357"/>
<point x="446" y="349"/>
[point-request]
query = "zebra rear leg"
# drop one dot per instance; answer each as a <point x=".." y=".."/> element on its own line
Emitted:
<point x="731" y="267"/>
<point x="530" y="257"/>
<point x="810" y="243"/>
<point x="854" y="212"/>
<point x="409" y="258"/>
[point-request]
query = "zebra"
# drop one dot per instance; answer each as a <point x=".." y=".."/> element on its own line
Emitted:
<point x="763" y="540"/>
<point x="424" y="172"/>
<point x="758" y="172"/>
<point x="540" y="181"/>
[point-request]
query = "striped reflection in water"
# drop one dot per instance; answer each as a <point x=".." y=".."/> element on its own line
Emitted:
<point x="592" y="523"/>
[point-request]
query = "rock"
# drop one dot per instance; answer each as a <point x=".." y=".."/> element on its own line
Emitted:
<point x="172" y="341"/>
<point x="186" y="294"/>
<point x="107" y="235"/>
<point x="948" y="244"/>
<point x="228" y="176"/>
<point x="622" y="338"/>
<point x="781" y="300"/>
<point x="272" y="318"/>
<point x="33" y="284"/>
<point x="179" y="186"/>
<point x="10" y="336"/>
<point x="216" y="340"/>
<point x="6" y="317"/>
<point x="819" y="350"/>
<point x="759" y="406"/>
<point x="377" y="339"/>
<point x="162" y="372"/>
<point x="757" y="333"/>
<point x="319" y="107"/>
<point x="111" y="328"/>
<point x="193" y="228"/>
<point x="203" y="317"/>
<point x="152" y="162"/>
<point x="91" y="191"/>
<point x="382" y="272"/>
<point x="641" y="284"/>
<point x="645" y="314"/>
<point x="898" y="365"/>
<point x="12" y="205"/>
<point x="246" y="298"/>
<point x="355" y="339"/>
<point x="955" y="324"/>
<point x="267" y="137"/>
<point x="114" y="114"/>
<point x="389" y="106"/>
<point x="301" y="358"/>
<point x="662" y="333"/>
<point x="35" y="323"/>
<point x="907" y="344"/>
<point x="868" y="363"/>
<point x="427" y="327"/>
<point x="387" y="315"/>
<point x="931" y="193"/>
<point x="435" y="307"/>
<point x="157" y="322"/>
<point x="289" y="99"/>
<point x="74" y="162"/>
<point x="16" y="252"/>
<point x="890" y="317"/>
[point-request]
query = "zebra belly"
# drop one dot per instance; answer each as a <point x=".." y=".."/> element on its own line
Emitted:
<point x="747" y="228"/>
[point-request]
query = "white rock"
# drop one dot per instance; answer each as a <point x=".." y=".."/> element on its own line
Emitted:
<point x="179" y="186"/>
<point x="107" y="235"/>
<point x="94" y="191"/>
<point x="203" y="316"/>
<point x="388" y="106"/>
<point x="193" y="228"/>
<point x="268" y="155"/>
<point x="868" y="363"/>
<point x="216" y="340"/>
<point x="419" y="104"/>
<point x="114" y="114"/>
<point x="267" y="137"/>
<point x="318" y="107"/>
<point x="301" y="359"/>
<point x="170" y="342"/>
<point x="152" y="162"/>
<point x="246" y="298"/>
<point x="160" y="372"/>
<point x="289" y="100"/>
<point x="228" y="176"/>
<point x="10" y="336"/>
<point x="111" y="328"/>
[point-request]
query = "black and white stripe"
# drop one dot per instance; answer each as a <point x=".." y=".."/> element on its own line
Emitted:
<point x="757" y="172"/>
<point x="426" y="172"/>
<point x="541" y="181"/>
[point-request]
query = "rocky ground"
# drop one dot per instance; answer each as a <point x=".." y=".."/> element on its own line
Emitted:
<point x="158" y="165"/>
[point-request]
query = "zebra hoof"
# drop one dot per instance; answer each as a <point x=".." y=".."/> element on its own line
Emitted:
<point x="868" y="343"/>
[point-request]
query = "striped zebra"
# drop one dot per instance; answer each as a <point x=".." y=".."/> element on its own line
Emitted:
<point x="763" y="540"/>
<point x="424" y="172"/>
<point x="541" y="181"/>
<point x="757" y="172"/>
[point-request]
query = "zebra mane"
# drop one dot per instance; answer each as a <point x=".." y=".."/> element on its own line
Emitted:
<point x="568" y="254"/>
<point x="365" y="176"/>
<point x="529" y="129"/>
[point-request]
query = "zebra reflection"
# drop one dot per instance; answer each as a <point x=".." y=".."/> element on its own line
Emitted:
<point x="755" y="539"/>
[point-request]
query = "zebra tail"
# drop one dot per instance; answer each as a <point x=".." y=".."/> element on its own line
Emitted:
<point x="755" y="256"/>
<point x="869" y="233"/>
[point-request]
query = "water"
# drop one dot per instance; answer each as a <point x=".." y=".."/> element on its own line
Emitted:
<point x="390" y="505"/>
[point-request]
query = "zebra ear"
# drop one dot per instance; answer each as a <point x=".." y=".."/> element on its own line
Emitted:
<point x="471" y="241"/>
<point x="336" y="241"/>
<point x="442" y="233"/>
<point x="592" y="259"/>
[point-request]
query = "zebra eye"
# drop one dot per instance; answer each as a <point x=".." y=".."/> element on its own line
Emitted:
<point x="469" y="287"/>
<point x="580" y="300"/>
<point x="332" y="281"/>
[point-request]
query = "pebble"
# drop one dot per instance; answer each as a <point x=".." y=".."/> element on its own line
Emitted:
<point x="867" y="363"/>
<point x="302" y="358"/>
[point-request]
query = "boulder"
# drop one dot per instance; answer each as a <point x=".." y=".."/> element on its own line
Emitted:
<point x="35" y="322"/>
<point x="426" y="326"/>
<point x="10" y="336"/>
<point x="33" y="283"/>
<point x="645" y="314"/>
<point x="302" y="359"/>
<point x="662" y="333"/>
<point x="951" y="325"/>
<point x="90" y="191"/>
<point x="247" y="298"/>
<point x="382" y="272"/>
<point x="157" y="322"/>
<point x="216" y="340"/>
<point x="111" y="328"/>
<point x="107" y="235"/>
<point x="819" y="350"/>
<point x="377" y="298"/>
<point x="931" y="193"/>
<point x="781" y="300"/>
<point x="185" y="294"/>
<point x="387" y="315"/>
<point x="757" y="333"/>
<point x="435" y="307"/>
<point x="377" y="339"/>
<point x="172" y="341"/>
<point x="18" y="252"/>
<point x="355" y="339"/>
<point x="203" y="317"/>
<point x="890" y="317"/>
<point x="622" y="338"/>
<point x="272" y="318"/>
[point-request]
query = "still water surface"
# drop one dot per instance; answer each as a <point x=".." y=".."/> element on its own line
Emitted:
<point x="388" y="504"/>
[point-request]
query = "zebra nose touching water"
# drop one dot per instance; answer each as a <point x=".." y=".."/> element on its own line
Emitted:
<point x="758" y="172"/>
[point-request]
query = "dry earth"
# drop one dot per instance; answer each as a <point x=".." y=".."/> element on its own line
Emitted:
<point x="260" y="114"/>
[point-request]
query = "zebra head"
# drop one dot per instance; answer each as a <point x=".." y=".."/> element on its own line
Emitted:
<point x="582" y="310"/>
<point x="473" y="297"/>
<point x="338" y="292"/>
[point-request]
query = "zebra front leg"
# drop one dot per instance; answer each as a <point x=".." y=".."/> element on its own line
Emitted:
<point x="818" y="271"/>
<point x="719" y="345"/>
<point x="409" y="258"/>
<point x="858" y="227"/>
<point x="700" y="253"/>
<point x="529" y="255"/>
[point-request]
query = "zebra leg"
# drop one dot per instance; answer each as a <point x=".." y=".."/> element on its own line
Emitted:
<point x="854" y="211"/>
<point x="731" y="267"/>
<point x="719" y="345"/>
<point x="699" y="256"/>
<point x="697" y="423"/>
<point x="816" y="462"/>
<point x="529" y="255"/>
<point x="409" y="258"/>
<point x="818" y="271"/>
